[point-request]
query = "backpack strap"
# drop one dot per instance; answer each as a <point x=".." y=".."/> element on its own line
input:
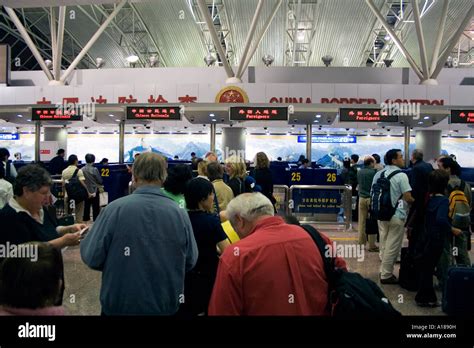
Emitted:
<point x="216" y="202"/>
<point x="321" y="245"/>
<point x="7" y="169"/>
<point x="75" y="173"/>
<point x="393" y="174"/>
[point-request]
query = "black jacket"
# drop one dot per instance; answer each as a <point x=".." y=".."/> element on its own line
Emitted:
<point x="264" y="179"/>
<point x="57" y="165"/>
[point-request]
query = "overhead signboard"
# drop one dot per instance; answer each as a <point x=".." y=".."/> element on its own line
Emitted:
<point x="54" y="114"/>
<point x="365" y="115"/>
<point x="153" y="112"/>
<point x="333" y="139"/>
<point x="9" y="136"/>
<point x="462" y="116"/>
<point x="245" y="113"/>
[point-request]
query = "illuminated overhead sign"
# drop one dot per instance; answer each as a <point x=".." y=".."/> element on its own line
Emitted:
<point x="258" y="113"/>
<point x="9" y="136"/>
<point x="365" y="115"/>
<point x="55" y="114"/>
<point x="153" y="112"/>
<point x="462" y="116"/>
<point x="319" y="139"/>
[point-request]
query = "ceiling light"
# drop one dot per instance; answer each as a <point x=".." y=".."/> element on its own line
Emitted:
<point x="110" y="115"/>
<point x="211" y="115"/>
<point x="28" y="120"/>
<point x="300" y="35"/>
<point x="387" y="37"/>
<point x="100" y="62"/>
<point x="19" y="115"/>
<point x="209" y="59"/>
<point x="426" y="118"/>
<point x="132" y="59"/>
<point x="327" y="59"/>
<point x="214" y="120"/>
<point x="117" y="120"/>
<point x="49" y="63"/>
<point x="268" y="59"/>
<point x="318" y="116"/>
<point x="421" y="122"/>
<point x="316" y="121"/>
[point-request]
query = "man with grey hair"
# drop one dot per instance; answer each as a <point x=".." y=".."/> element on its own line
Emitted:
<point x="418" y="178"/>
<point x="143" y="244"/>
<point x="275" y="269"/>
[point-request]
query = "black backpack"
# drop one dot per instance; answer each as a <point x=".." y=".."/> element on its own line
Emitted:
<point x="75" y="190"/>
<point x="381" y="207"/>
<point x="350" y="294"/>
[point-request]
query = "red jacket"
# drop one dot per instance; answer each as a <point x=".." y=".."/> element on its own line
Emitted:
<point x="275" y="270"/>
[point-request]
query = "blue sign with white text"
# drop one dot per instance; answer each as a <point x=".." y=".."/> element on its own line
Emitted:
<point x="9" y="136"/>
<point x="335" y="139"/>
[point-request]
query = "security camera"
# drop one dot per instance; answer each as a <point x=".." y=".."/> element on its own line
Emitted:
<point x="388" y="129"/>
<point x="347" y="129"/>
<point x="327" y="59"/>
<point x="383" y="127"/>
<point x="191" y="119"/>
<point x="434" y="122"/>
<point x="329" y="121"/>
<point x="185" y="127"/>
<point x="265" y="128"/>
<point x="222" y="120"/>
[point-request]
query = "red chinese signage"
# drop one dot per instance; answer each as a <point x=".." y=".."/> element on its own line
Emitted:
<point x="54" y="114"/>
<point x="258" y="114"/>
<point x="365" y="115"/>
<point x="157" y="112"/>
<point x="462" y="116"/>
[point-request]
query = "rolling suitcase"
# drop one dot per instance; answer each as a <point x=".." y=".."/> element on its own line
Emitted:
<point x="458" y="296"/>
<point x="408" y="278"/>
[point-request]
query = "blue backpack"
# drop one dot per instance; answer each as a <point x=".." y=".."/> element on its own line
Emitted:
<point x="381" y="207"/>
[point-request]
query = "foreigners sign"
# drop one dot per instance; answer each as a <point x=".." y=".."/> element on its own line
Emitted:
<point x="365" y="115"/>
<point x="462" y="116"/>
<point x="244" y="113"/>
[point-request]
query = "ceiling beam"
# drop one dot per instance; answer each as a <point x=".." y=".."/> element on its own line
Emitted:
<point x="421" y="39"/>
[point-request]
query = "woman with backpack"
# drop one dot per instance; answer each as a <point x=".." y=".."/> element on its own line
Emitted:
<point x="73" y="171"/>
<point x="462" y="240"/>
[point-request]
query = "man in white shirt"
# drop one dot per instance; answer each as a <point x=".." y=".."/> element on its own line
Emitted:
<point x="6" y="189"/>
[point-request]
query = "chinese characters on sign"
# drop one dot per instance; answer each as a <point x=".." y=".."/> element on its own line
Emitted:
<point x="462" y="116"/>
<point x="333" y="139"/>
<point x="258" y="113"/>
<point x="156" y="112"/>
<point x="365" y="115"/>
<point x="54" y="114"/>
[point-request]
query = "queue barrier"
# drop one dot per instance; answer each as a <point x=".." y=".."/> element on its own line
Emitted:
<point x="322" y="204"/>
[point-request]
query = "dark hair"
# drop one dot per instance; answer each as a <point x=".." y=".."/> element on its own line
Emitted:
<point x="368" y="160"/>
<point x="90" y="158"/>
<point x="31" y="176"/>
<point x="178" y="176"/>
<point x="304" y="161"/>
<point x="176" y="157"/>
<point x="103" y="160"/>
<point x="4" y="153"/>
<point x="346" y="163"/>
<point x="278" y="158"/>
<point x="391" y="155"/>
<point x="60" y="152"/>
<point x="72" y="159"/>
<point x="291" y="220"/>
<point x="27" y="283"/>
<point x="448" y="162"/>
<point x="376" y="157"/>
<point x="355" y="158"/>
<point x="2" y="170"/>
<point x="197" y="190"/>
<point x="193" y="153"/>
<point x="438" y="181"/>
<point x="214" y="171"/>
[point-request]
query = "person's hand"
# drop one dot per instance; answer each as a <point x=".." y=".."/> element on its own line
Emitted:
<point x="71" y="239"/>
<point x="73" y="228"/>
<point x="456" y="231"/>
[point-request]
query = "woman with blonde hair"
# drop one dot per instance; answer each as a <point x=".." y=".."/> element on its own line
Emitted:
<point x="236" y="169"/>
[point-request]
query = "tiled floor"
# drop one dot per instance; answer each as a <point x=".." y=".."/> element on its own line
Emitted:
<point x="83" y="284"/>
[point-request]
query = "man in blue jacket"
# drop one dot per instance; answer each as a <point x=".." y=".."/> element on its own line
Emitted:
<point x="143" y="244"/>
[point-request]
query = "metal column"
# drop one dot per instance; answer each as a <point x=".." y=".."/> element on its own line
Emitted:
<point x="37" y="140"/>
<point x="309" y="140"/>
<point x="121" y="141"/>
<point x="213" y="137"/>
<point x="407" y="146"/>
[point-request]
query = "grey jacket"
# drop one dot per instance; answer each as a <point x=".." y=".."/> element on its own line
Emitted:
<point x="143" y="244"/>
<point x="93" y="178"/>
